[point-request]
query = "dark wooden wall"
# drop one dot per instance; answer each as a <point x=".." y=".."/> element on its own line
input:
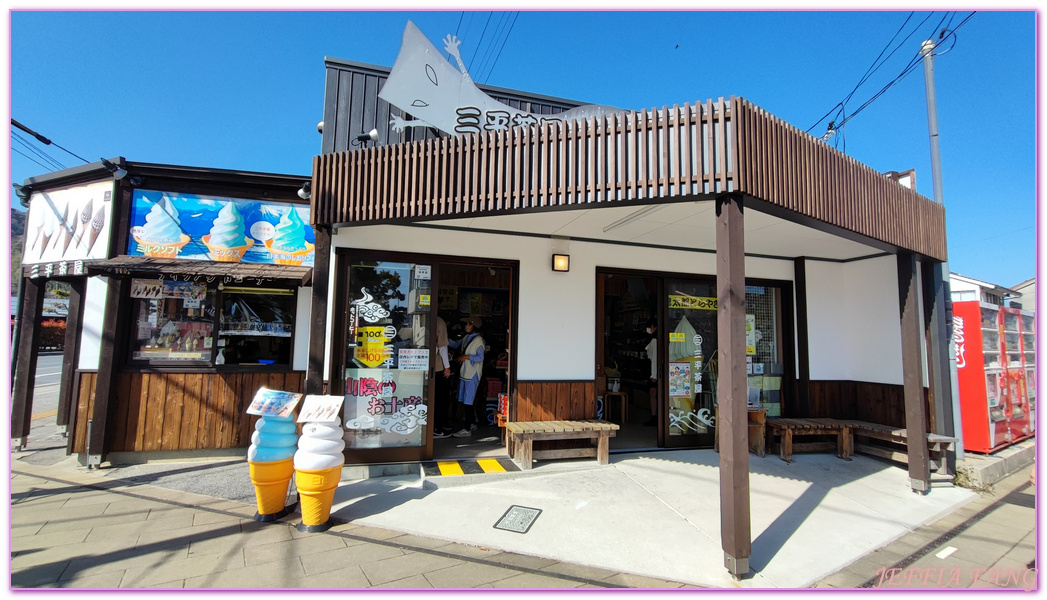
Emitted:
<point x="554" y="401"/>
<point x="874" y="402"/>
<point x="178" y="411"/>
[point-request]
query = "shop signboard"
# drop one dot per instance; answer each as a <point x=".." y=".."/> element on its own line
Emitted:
<point x="68" y="225"/>
<point x="197" y="227"/>
<point x="384" y="407"/>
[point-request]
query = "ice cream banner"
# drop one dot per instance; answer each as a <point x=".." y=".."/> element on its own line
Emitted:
<point x="273" y="403"/>
<point x="691" y="302"/>
<point x="194" y="227"/>
<point x="69" y="224"/>
<point x="320" y="409"/>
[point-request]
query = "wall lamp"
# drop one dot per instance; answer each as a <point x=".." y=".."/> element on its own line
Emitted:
<point x="23" y="194"/>
<point x="306" y="191"/>
<point x="370" y="136"/>
<point x="117" y="172"/>
<point x="562" y="262"/>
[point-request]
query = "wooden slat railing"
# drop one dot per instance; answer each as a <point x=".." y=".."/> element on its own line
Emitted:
<point x="642" y="157"/>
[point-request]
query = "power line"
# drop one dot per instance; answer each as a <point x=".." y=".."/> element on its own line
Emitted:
<point x="44" y="140"/>
<point x="32" y="159"/>
<point x="480" y="67"/>
<point x="479" y="41"/>
<point x="505" y="39"/>
<point x="41" y="154"/>
<point x="909" y="68"/>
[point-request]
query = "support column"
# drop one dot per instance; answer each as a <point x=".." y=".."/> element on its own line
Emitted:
<point x="938" y="339"/>
<point x="25" y="360"/>
<point x="732" y="397"/>
<point x="67" y="382"/>
<point x="803" y="348"/>
<point x="912" y="375"/>
<point x="106" y="382"/>
<point x="314" y="374"/>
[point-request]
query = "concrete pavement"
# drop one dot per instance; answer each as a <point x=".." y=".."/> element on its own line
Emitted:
<point x="648" y="520"/>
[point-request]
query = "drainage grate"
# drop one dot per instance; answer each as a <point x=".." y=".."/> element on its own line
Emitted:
<point x="518" y="519"/>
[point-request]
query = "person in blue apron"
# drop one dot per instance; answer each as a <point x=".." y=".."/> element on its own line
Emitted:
<point x="471" y="358"/>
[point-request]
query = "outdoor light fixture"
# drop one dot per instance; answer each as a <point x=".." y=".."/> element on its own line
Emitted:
<point x="306" y="190"/>
<point x="117" y="172"/>
<point x="370" y="136"/>
<point x="320" y="127"/>
<point x="23" y="194"/>
<point x="643" y="212"/>
<point x="562" y="262"/>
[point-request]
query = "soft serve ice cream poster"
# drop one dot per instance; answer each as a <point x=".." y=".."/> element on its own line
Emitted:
<point x="194" y="227"/>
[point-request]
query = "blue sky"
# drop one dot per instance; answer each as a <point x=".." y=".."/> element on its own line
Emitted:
<point x="244" y="90"/>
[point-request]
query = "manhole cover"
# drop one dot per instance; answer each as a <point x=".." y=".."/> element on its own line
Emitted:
<point x="518" y="519"/>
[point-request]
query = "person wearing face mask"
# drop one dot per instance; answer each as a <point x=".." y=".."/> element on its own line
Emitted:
<point x="652" y="354"/>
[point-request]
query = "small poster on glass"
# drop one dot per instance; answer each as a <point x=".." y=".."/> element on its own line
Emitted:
<point x="680" y="379"/>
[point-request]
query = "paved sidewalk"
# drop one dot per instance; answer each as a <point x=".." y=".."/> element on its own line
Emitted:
<point x="989" y="543"/>
<point x="77" y="529"/>
<point x="648" y="520"/>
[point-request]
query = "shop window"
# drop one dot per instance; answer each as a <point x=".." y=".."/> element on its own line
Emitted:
<point x="176" y="324"/>
<point x="174" y="321"/>
<point x="256" y="326"/>
<point x="764" y="363"/>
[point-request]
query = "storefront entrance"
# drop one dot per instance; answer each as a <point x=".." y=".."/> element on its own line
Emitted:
<point x="387" y="363"/>
<point x="678" y="408"/>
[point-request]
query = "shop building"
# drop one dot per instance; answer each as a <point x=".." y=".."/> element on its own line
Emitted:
<point x="181" y="306"/>
<point x="780" y="274"/>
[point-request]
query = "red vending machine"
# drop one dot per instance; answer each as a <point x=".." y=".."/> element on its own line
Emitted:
<point x="992" y="370"/>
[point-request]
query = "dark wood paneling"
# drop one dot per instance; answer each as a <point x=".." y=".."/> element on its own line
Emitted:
<point x="881" y="403"/>
<point x="178" y="411"/>
<point x="32" y="305"/>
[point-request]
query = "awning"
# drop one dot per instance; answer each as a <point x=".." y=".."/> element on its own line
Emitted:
<point x="151" y="267"/>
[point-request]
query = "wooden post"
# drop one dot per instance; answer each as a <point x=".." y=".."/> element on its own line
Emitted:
<point x="912" y="375"/>
<point x="314" y="374"/>
<point x="25" y="360"/>
<point x="803" y="351"/>
<point x="106" y="382"/>
<point x="938" y="336"/>
<point x="67" y="383"/>
<point x="732" y="394"/>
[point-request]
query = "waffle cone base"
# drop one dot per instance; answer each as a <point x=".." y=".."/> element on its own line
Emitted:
<point x="316" y="493"/>
<point x="271" y="480"/>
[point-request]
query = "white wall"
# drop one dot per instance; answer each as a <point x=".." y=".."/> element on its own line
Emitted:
<point x="557" y="336"/>
<point x="301" y="335"/>
<point x="93" y="321"/>
<point x="853" y="320"/>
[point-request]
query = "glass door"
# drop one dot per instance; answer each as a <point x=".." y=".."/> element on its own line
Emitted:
<point x="385" y="360"/>
<point x="689" y="383"/>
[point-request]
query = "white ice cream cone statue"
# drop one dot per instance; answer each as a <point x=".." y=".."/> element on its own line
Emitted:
<point x="318" y="469"/>
<point x="270" y="458"/>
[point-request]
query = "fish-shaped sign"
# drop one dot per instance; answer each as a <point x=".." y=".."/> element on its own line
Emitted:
<point x="425" y="85"/>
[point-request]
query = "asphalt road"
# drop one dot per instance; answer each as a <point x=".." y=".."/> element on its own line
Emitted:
<point x="45" y="394"/>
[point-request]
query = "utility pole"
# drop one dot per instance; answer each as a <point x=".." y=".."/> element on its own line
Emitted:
<point x="941" y="305"/>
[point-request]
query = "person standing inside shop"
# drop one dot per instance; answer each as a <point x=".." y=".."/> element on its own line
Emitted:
<point x="471" y="357"/>
<point x="441" y="371"/>
<point x="652" y="354"/>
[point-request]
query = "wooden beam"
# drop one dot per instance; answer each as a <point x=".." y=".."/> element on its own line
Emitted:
<point x="314" y="374"/>
<point x="938" y="337"/>
<point x="106" y="383"/>
<point x="25" y="360"/>
<point x="912" y="373"/>
<point x="732" y="394"/>
<point x="803" y="349"/>
<point x="73" y="326"/>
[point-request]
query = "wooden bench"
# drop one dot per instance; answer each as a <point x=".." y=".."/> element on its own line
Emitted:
<point x="519" y="437"/>
<point x="787" y="429"/>
<point x="937" y="445"/>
